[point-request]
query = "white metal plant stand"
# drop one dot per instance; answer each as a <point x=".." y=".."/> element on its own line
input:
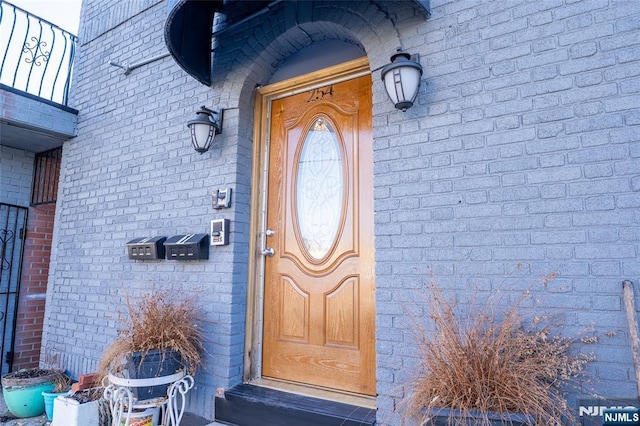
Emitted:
<point x="122" y="402"/>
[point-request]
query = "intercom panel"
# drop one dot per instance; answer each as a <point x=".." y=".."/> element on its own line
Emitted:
<point x="219" y="232"/>
<point x="221" y="198"/>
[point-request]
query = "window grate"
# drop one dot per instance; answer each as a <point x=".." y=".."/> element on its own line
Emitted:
<point x="46" y="172"/>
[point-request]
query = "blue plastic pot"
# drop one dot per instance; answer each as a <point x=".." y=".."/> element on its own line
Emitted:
<point x="49" y="397"/>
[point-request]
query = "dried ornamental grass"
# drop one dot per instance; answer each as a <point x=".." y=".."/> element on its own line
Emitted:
<point x="493" y="360"/>
<point x="158" y="320"/>
<point x="61" y="382"/>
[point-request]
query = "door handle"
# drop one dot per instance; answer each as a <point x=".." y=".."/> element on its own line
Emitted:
<point x="268" y="251"/>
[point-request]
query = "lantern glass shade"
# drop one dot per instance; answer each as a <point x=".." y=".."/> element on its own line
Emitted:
<point x="402" y="80"/>
<point x="202" y="135"/>
<point x="203" y="129"/>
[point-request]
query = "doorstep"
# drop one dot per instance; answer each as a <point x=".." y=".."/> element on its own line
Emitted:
<point x="251" y="405"/>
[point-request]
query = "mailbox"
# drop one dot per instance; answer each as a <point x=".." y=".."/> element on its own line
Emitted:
<point x="147" y="248"/>
<point x="187" y="247"/>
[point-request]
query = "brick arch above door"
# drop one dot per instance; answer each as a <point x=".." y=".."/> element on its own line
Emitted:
<point x="189" y="24"/>
<point x="243" y="63"/>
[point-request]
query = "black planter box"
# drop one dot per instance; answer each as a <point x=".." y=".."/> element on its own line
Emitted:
<point x="151" y="365"/>
<point x="448" y="417"/>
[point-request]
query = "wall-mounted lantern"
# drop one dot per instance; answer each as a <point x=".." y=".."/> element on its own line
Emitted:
<point x="402" y="79"/>
<point x="206" y="125"/>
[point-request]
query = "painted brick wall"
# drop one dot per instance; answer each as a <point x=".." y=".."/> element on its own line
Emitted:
<point x="132" y="172"/>
<point x="30" y="111"/>
<point x="16" y="173"/>
<point x="523" y="149"/>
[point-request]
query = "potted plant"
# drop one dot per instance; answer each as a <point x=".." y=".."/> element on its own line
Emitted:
<point x="159" y="335"/>
<point x="482" y="364"/>
<point x="61" y="383"/>
<point x="84" y="407"/>
<point x="22" y="390"/>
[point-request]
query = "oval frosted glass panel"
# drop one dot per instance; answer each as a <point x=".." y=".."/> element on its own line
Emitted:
<point x="320" y="189"/>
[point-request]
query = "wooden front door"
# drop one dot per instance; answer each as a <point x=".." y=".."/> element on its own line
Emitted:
<point x="319" y="311"/>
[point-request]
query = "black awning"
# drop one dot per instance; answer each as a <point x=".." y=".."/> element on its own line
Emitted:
<point x="189" y="26"/>
<point x="187" y="34"/>
<point x="423" y="6"/>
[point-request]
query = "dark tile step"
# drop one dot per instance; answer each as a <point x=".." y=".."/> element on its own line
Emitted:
<point x="250" y="405"/>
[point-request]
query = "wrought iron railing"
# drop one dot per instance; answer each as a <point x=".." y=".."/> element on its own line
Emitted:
<point x="37" y="56"/>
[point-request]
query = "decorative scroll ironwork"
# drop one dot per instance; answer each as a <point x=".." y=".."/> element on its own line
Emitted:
<point x="122" y="403"/>
<point x="6" y="236"/>
<point x="177" y="394"/>
<point x="33" y="50"/>
<point x="13" y="222"/>
<point x="26" y="64"/>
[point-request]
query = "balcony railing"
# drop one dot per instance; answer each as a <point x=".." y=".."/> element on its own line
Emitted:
<point x="37" y="56"/>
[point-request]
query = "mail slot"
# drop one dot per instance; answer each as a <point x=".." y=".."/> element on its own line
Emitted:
<point x="187" y="247"/>
<point x="147" y="248"/>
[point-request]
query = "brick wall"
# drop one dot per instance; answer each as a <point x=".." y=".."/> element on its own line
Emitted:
<point x="29" y="111"/>
<point x="35" y="272"/>
<point x="16" y="173"/>
<point x="132" y="172"/>
<point x="521" y="149"/>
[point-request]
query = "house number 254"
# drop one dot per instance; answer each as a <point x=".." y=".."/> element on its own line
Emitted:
<point x="319" y="93"/>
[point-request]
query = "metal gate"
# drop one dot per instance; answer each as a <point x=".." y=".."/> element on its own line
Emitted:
<point x="13" y="225"/>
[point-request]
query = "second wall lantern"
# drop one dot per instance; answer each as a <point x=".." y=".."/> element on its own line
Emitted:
<point x="402" y="79"/>
<point x="204" y="127"/>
